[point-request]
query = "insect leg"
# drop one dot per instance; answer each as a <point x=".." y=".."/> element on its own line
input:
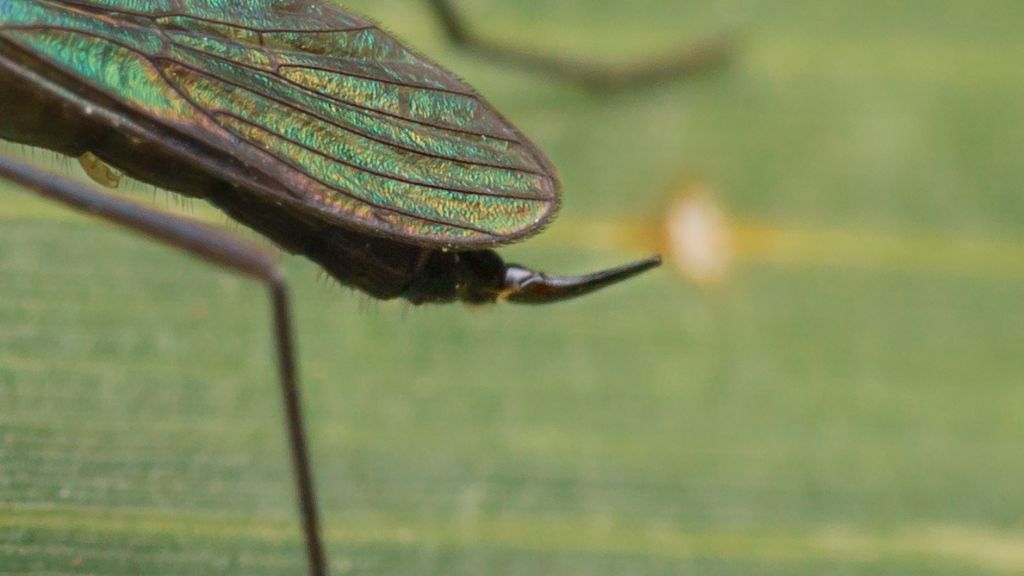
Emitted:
<point x="222" y="250"/>
<point x="688" y="61"/>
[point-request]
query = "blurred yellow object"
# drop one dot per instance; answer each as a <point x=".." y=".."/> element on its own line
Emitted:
<point x="697" y="236"/>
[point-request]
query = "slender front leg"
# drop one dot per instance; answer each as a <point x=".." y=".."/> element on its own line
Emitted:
<point x="699" y="57"/>
<point x="222" y="250"/>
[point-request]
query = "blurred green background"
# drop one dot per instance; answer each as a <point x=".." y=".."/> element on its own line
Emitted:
<point x="848" y="403"/>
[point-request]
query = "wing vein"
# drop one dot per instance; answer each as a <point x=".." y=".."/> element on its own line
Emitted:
<point x="292" y="106"/>
<point x="92" y="9"/>
<point x="210" y="117"/>
<point x="360" y="109"/>
<point x="346" y="103"/>
<point x="396" y="178"/>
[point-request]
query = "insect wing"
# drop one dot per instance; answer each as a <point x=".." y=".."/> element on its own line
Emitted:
<point x="352" y="125"/>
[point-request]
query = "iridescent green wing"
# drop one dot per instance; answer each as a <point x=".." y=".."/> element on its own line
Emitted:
<point x="351" y="123"/>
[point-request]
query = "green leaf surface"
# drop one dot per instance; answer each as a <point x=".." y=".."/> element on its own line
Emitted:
<point x="849" y="402"/>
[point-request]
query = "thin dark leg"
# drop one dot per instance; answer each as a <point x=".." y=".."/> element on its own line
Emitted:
<point x="692" y="60"/>
<point x="222" y="250"/>
<point x="296" y="430"/>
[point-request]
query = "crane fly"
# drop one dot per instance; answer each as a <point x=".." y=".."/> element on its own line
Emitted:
<point x="309" y="125"/>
